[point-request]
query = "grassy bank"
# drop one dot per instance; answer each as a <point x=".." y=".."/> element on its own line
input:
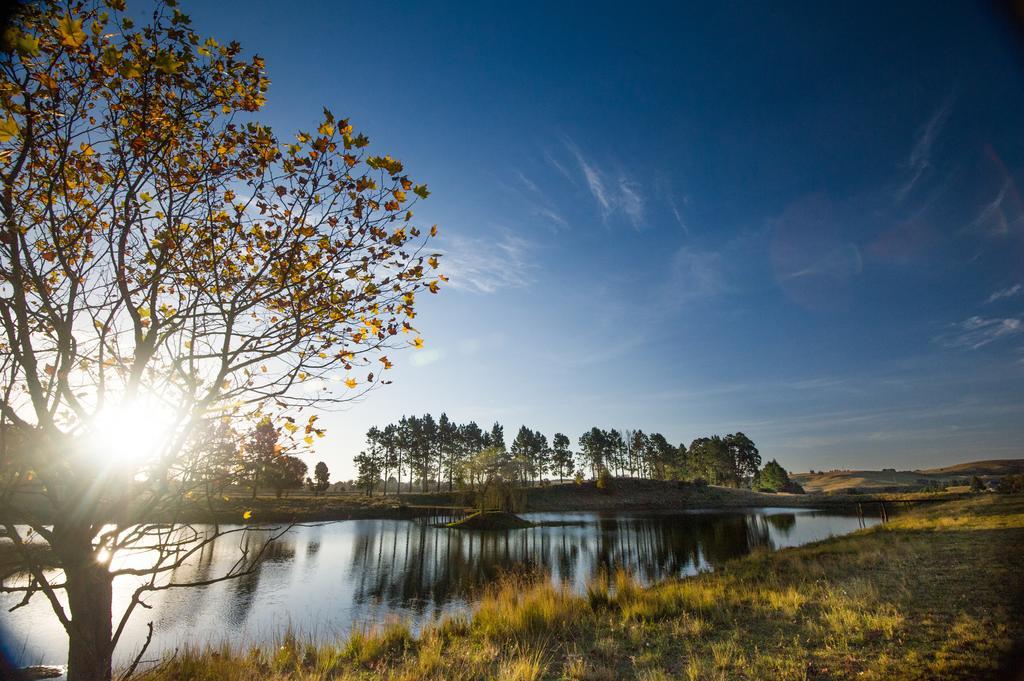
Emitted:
<point x="624" y="495"/>
<point x="641" y="495"/>
<point x="936" y="593"/>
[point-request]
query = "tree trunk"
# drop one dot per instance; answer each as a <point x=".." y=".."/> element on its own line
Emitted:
<point x="89" y="592"/>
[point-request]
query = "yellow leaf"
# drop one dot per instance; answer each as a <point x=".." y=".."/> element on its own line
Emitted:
<point x="433" y="262"/>
<point x="8" y="129"/>
<point x="290" y="427"/>
<point x="166" y="62"/>
<point x="23" y="43"/>
<point x="71" y="33"/>
<point x="433" y="231"/>
<point x="417" y="343"/>
<point x="308" y="440"/>
<point x="350" y="382"/>
<point x="247" y="515"/>
<point x="86" y="149"/>
<point x="421" y="191"/>
<point x="326" y="129"/>
<point x="131" y="70"/>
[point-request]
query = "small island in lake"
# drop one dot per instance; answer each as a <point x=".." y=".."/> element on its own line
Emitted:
<point x="490" y="520"/>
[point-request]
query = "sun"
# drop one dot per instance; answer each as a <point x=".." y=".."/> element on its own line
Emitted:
<point x="130" y="434"/>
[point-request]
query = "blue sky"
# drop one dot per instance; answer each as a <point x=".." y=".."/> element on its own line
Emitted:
<point x="805" y="224"/>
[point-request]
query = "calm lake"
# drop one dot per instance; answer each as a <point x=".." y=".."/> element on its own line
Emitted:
<point x="323" y="580"/>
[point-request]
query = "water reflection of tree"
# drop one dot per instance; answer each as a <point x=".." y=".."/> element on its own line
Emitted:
<point x="187" y="603"/>
<point x="186" y="606"/>
<point x="245" y="588"/>
<point x="782" y="522"/>
<point x="416" y="566"/>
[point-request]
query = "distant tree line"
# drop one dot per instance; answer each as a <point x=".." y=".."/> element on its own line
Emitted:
<point x="427" y="453"/>
<point x="257" y="459"/>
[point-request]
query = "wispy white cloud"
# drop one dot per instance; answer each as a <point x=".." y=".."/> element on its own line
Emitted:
<point x="1008" y="292"/>
<point x="527" y="182"/>
<point x="485" y="265"/>
<point x="677" y="214"/>
<point x="559" y="166"/>
<point x="538" y="202"/>
<point x="920" y="159"/>
<point x="611" y="196"/>
<point x="842" y="262"/>
<point x="976" y="332"/>
<point x="631" y="202"/>
<point x="992" y="218"/>
<point x="593" y="179"/>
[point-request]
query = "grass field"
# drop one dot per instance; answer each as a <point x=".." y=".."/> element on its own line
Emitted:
<point x="934" y="594"/>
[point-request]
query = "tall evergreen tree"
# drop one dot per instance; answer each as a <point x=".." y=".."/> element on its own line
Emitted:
<point x="497" y="438"/>
<point x="593" y="445"/>
<point x="390" y="460"/>
<point x="615" y="459"/>
<point x="368" y="471"/>
<point x="662" y="456"/>
<point x="429" y="448"/>
<point x="447" y="450"/>
<point x="541" y="455"/>
<point x="640" y="446"/>
<point x="521" y="453"/>
<point x="561" y="455"/>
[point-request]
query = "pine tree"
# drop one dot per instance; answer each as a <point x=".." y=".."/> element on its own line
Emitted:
<point x="561" y="455"/>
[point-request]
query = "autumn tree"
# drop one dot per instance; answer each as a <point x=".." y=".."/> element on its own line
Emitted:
<point x="260" y="450"/>
<point x="166" y="260"/>
<point x="321" y="477"/>
<point x="285" y="472"/>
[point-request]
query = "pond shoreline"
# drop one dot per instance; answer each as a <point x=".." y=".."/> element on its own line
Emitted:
<point x="880" y="604"/>
<point x="624" y="495"/>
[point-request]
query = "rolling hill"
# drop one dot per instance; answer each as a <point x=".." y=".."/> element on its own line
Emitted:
<point x="893" y="480"/>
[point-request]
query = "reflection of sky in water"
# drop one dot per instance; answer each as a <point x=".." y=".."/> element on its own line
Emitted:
<point x="322" y="580"/>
